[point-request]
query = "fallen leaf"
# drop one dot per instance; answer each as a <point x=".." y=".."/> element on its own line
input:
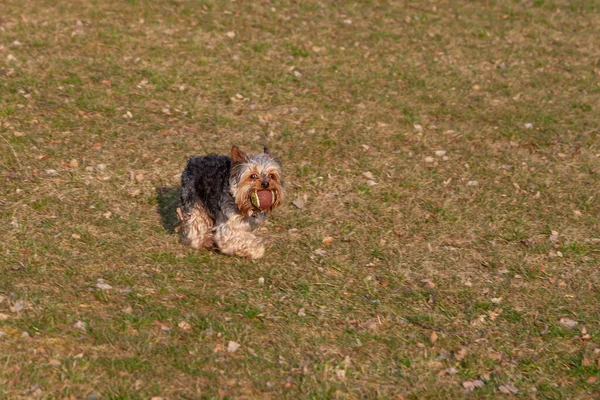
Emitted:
<point x="230" y="34"/>
<point x="494" y="355"/>
<point x="428" y="283"/>
<point x="103" y="286"/>
<point x="185" y="326"/>
<point x="18" y="306"/>
<point x="327" y="240"/>
<point x="568" y="322"/>
<point x="80" y="325"/>
<point x="299" y="202"/>
<point x="232" y="346"/>
<point x="468" y="386"/>
<point x="368" y="175"/>
<point x="218" y="348"/>
<point x="586" y="362"/>
<point x="461" y="354"/>
<point x="54" y="363"/>
<point x="508" y="389"/>
<point x="320" y="252"/>
<point x="592" y="379"/>
<point x="433" y="337"/>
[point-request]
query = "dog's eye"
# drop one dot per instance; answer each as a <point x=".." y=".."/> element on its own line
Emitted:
<point x="271" y="176"/>
<point x="254" y="176"/>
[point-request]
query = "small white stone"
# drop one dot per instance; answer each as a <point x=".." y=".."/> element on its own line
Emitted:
<point x="418" y="128"/>
<point x="472" y="183"/>
<point x="528" y="125"/>
<point x="440" y="153"/>
<point x="429" y="159"/>
<point x="261" y="280"/>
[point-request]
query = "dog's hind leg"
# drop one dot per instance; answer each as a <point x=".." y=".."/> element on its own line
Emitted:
<point x="196" y="227"/>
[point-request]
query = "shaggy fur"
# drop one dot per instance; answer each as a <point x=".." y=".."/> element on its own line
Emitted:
<point x="216" y="207"/>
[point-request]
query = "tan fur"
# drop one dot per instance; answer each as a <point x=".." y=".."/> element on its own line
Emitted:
<point x="197" y="228"/>
<point x="247" y="186"/>
<point x="235" y="238"/>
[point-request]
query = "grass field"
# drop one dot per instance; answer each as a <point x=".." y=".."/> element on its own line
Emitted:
<point x="448" y="156"/>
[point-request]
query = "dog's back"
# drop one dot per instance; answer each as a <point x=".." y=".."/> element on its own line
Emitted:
<point x="206" y="179"/>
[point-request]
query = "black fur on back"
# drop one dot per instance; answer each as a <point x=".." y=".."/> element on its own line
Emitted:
<point x="206" y="180"/>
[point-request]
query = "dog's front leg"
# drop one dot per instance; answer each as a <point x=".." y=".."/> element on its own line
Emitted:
<point x="233" y="237"/>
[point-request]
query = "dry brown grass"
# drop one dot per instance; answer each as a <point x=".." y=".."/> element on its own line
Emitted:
<point x="489" y="249"/>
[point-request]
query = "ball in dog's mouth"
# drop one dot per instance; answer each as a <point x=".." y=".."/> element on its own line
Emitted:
<point x="262" y="199"/>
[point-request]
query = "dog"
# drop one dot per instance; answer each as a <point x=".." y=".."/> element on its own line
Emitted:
<point x="225" y="199"/>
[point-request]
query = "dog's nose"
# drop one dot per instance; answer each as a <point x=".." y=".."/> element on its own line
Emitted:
<point x="264" y="184"/>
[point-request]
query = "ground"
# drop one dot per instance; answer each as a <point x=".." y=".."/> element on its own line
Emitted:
<point x="440" y="236"/>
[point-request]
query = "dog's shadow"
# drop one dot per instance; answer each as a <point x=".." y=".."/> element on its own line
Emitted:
<point x="167" y="199"/>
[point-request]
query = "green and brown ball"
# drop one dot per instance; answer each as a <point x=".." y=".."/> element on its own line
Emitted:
<point x="262" y="199"/>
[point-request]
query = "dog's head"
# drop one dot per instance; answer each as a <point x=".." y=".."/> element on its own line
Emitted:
<point x="256" y="181"/>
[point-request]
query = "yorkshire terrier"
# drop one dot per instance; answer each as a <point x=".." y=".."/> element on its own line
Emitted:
<point x="225" y="199"/>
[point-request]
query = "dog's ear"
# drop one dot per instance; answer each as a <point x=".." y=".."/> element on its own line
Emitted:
<point x="238" y="156"/>
<point x="266" y="151"/>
